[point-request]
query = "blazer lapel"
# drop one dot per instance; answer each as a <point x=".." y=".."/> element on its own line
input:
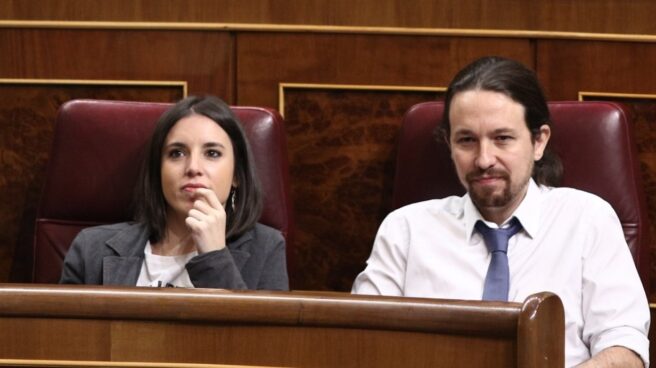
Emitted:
<point x="121" y="270"/>
<point x="129" y="245"/>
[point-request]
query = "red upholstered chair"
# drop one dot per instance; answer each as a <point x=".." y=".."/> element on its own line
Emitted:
<point x="95" y="159"/>
<point x="593" y="139"/>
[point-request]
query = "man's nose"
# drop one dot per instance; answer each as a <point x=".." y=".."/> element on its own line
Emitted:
<point x="486" y="157"/>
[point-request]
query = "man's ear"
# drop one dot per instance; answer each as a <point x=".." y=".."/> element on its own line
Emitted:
<point x="540" y="142"/>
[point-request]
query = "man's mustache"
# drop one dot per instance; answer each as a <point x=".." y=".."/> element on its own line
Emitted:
<point x="489" y="173"/>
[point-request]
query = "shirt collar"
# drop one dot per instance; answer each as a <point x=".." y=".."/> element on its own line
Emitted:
<point x="528" y="212"/>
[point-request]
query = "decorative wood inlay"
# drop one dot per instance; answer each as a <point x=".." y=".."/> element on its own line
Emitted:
<point x="27" y="115"/>
<point x="97" y="363"/>
<point x="341" y="144"/>
<point x="643" y="109"/>
<point x="307" y="28"/>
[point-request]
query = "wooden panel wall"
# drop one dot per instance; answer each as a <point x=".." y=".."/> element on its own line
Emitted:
<point x="65" y="64"/>
<point x="27" y="114"/>
<point x="203" y="59"/>
<point x="607" y="16"/>
<point x="341" y="176"/>
<point x="246" y="66"/>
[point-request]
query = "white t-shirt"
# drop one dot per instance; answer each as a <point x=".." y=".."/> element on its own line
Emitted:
<point x="571" y="244"/>
<point x="164" y="271"/>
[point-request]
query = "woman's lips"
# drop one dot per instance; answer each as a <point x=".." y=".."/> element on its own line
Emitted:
<point x="192" y="187"/>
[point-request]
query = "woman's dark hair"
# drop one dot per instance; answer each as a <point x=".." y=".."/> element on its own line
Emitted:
<point x="150" y="204"/>
<point x="516" y="81"/>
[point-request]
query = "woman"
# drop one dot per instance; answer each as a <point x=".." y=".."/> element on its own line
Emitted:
<point x="197" y="204"/>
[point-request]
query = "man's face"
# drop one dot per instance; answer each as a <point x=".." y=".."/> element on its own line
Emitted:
<point x="492" y="149"/>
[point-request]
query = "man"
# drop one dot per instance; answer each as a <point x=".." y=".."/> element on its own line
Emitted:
<point x="562" y="240"/>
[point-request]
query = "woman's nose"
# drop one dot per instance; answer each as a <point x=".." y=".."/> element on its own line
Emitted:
<point x="193" y="165"/>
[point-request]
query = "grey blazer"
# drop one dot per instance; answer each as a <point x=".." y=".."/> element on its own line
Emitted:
<point x="113" y="255"/>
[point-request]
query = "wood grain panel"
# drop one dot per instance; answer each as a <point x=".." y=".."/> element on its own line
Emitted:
<point x="569" y="67"/>
<point x="341" y="143"/>
<point x="179" y="342"/>
<point x="341" y="146"/>
<point x="643" y="111"/>
<point x="203" y="59"/>
<point x="200" y="343"/>
<point x="85" y="339"/>
<point x="277" y="328"/>
<point x="264" y="60"/>
<point x="27" y="115"/>
<point x="608" y="16"/>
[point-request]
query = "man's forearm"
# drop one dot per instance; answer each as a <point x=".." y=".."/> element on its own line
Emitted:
<point x="614" y="356"/>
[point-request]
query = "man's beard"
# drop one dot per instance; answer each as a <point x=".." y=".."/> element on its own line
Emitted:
<point x="489" y="197"/>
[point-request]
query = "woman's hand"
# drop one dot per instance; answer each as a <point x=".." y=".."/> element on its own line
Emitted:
<point x="207" y="221"/>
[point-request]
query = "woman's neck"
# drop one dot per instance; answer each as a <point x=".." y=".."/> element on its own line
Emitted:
<point x="176" y="241"/>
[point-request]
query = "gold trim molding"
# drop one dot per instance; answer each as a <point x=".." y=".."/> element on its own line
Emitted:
<point x="100" y="363"/>
<point x="98" y="82"/>
<point x="255" y="27"/>
<point x="584" y="94"/>
<point x="360" y="87"/>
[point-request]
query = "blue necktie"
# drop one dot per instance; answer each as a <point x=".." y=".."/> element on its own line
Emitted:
<point x="496" y="240"/>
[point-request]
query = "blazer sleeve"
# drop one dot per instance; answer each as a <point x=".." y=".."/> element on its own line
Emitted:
<point x="73" y="270"/>
<point x="258" y="261"/>
<point x="216" y="269"/>
<point x="274" y="273"/>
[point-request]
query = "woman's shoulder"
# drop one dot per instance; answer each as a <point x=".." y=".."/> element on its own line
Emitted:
<point x="259" y="234"/>
<point x="266" y="232"/>
<point x="110" y="230"/>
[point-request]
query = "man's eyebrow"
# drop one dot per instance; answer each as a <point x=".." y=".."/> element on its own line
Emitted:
<point x="504" y="130"/>
<point x="462" y="131"/>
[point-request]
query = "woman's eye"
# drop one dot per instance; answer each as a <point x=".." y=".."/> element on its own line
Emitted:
<point x="213" y="153"/>
<point x="175" y="153"/>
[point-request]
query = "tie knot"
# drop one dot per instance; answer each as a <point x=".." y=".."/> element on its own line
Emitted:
<point x="496" y="240"/>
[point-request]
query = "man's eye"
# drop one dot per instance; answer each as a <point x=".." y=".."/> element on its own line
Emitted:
<point x="504" y="138"/>
<point x="465" y="140"/>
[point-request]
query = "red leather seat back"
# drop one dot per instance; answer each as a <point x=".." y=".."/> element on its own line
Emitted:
<point x="593" y="139"/>
<point x="95" y="160"/>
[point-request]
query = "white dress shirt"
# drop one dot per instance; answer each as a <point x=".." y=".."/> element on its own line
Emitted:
<point x="571" y="244"/>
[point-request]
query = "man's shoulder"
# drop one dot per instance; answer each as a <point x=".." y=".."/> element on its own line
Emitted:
<point x="566" y="196"/>
<point x="568" y="192"/>
<point x="449" y="205"/>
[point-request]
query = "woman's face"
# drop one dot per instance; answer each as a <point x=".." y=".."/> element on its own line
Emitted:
<point x="197" y="153"/>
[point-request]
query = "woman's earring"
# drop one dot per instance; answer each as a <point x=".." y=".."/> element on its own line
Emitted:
<point x="232" y="199"/>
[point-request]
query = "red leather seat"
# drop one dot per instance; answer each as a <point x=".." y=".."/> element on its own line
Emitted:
<point x="95" y="159"/>
<point x="593" y="139"/>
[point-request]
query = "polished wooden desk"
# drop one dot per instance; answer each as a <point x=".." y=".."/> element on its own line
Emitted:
<point x="177" y="327"/>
